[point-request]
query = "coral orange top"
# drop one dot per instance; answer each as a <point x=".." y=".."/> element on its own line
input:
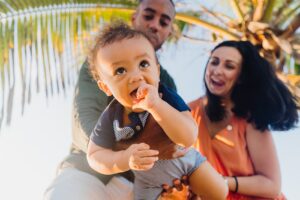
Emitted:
<point x="227" y="151"/>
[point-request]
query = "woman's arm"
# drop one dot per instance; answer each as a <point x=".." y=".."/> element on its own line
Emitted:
<point x="267" y="179"/>
<point x="207" y="183"/>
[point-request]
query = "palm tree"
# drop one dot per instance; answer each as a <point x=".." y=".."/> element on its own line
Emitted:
<point x="270" y="25"/>
<point x="40" y="46"/>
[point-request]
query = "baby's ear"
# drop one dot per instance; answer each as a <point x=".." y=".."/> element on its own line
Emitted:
<point x="102" y="86"/>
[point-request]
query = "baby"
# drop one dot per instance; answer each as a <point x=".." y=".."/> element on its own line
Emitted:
<point x="144" y="120"/>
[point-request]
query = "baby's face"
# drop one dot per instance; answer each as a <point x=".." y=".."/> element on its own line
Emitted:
<point x="124" y="66"/>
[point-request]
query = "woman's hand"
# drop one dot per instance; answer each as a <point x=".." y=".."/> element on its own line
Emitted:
<point x="141" y="157"/>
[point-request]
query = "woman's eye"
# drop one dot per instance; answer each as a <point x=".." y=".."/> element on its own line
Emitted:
<point x="120" y="70"/>
<point x="144" y="64"/>
<point x="214" y="62"/>
<point x="230" y="66"/>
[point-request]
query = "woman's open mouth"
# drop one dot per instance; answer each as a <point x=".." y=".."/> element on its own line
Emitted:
<point x="217" y="83"/>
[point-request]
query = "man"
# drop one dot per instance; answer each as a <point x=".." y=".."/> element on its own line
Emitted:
<point x="75" y="179"/>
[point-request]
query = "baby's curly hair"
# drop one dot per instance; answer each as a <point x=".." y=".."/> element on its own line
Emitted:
<point x="113" y="32"/>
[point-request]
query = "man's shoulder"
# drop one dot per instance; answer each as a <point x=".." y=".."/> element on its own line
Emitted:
<point x="167" y="79"/>
<point x="172" y="98"/>
<point x="164" y="72"/>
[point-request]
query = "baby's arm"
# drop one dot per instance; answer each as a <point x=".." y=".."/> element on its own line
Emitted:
<point x="179" y="126"/>
<point x="107" y="161"/>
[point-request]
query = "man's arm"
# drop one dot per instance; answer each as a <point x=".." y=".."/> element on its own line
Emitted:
<point x="89" y="103"/>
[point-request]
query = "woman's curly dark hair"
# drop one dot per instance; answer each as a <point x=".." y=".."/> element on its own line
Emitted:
<point x="258" y="95"/>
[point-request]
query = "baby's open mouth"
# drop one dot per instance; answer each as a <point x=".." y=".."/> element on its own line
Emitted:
<point x="134" y="93"/>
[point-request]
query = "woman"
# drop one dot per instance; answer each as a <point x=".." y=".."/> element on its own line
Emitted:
<point x="244" y="100"/>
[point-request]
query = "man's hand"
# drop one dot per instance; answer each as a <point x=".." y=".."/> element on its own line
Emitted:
<point x="179" y="191"/>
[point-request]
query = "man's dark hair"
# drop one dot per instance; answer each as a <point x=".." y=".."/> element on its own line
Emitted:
<point x="258" y="95"/>
<point x="140" y="1"/>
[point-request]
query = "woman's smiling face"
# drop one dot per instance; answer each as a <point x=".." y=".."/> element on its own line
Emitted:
<point x="223" y="70"/>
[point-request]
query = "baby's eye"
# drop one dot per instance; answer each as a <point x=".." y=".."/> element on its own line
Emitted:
<point x="120" y="70"/>
<point x="144" y="64"/>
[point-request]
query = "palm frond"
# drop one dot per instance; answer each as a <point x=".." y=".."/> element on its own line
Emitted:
<point x="238" y="11"/>
<point x="205" y="24"/>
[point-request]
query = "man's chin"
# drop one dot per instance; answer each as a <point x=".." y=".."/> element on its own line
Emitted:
<point x="155" y="43"/>
<point x="157" y="47"/>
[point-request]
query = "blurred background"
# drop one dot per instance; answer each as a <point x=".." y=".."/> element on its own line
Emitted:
<point x="44" y="43"/>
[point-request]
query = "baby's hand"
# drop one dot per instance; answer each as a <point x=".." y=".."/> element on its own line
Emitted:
<point x="141" y="157"/>
<point x="147" y="96"/>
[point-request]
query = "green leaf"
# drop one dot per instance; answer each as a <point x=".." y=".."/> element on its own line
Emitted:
<point x="297" y="68"/>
